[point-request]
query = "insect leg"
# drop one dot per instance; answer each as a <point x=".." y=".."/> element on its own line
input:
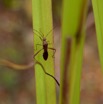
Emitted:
<point x="37" y="53"/>
<point x="53" y="50"/>
<point x="48" y="73"/>
<point x="49" y="42"/>
<point x="38" y="45"/>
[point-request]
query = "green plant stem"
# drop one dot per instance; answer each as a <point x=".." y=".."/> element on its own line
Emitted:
<point x="42" y="21"/>
<point x="98" y="16"/>
<point x="74" y="14"/>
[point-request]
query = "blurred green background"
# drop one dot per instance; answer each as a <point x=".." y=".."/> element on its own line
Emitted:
<point x="16" y="45"/>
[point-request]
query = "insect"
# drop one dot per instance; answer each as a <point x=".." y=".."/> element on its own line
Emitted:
<point x="44" y="45"/>
<point x="45" y="53"/>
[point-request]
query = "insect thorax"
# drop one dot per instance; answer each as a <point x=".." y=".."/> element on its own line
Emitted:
<point x="44" y="41"/>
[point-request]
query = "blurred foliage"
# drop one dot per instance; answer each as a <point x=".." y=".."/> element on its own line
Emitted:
<point x="11" y="4"/>
<point x="16" y="45"/>
<point x="8" y="78"/>
<point x="7" y="3"/>
<point x="57" y="8"/>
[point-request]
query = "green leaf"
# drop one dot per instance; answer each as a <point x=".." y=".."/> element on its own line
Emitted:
<point x="74" y="14"/>
<point x="98" y="16"/>
<point x="42" y="21"/>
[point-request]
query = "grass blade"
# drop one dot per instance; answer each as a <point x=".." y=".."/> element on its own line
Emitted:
<point x="42" y="21"/>
<point x="74" y="14"/>
<point x="98" y="14"/>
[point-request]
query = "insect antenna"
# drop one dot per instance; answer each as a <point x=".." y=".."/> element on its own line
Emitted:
<point x="41" y="34"/>
<point x="39" y="37"/>
<point x="38" y="32"/>
<point x="50" y="31"/>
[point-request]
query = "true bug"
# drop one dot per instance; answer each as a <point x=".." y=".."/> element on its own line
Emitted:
<point x="44" y="45"/>
<point x="45" y="53"/>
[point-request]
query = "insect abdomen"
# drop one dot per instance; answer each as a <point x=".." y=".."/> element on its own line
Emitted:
<point x="45" y="55"/>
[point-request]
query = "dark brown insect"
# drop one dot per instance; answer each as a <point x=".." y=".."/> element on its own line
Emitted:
<point x="44" y="45"/>
<point x="45" y="53"/>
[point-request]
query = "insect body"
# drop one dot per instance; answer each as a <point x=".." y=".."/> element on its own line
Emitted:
<point x="45" y="53"/>
<point x="44" y="45"/>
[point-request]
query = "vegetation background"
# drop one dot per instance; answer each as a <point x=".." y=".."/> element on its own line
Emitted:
<point x="16" y="45"/>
